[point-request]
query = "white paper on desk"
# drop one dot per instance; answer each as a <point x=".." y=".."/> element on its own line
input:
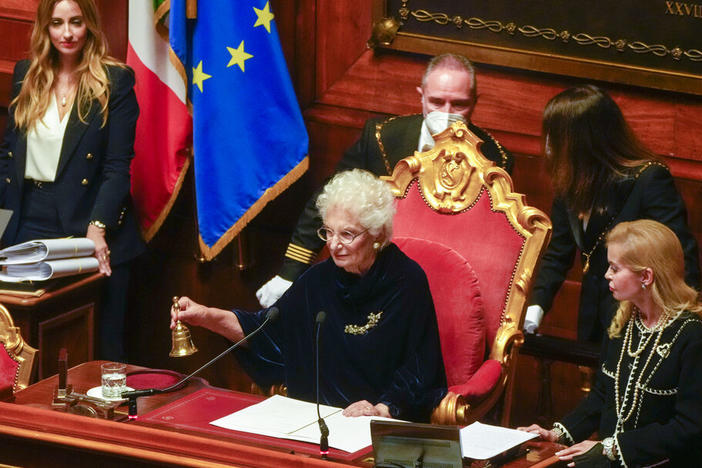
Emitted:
<point x="483" y="441"/>
<point x="47" y="249"/>
<point x="50" y="269"/>
<point x="287" y="418"/>
<point x="350" y="434"/>
<point x="276" y="416"/>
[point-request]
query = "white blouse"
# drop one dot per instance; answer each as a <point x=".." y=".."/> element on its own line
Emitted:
<point x="44" y="143"/>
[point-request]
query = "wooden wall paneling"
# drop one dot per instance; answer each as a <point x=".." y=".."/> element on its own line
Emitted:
<point x="17" y="29"/>
<point x="342" y="31"/>
<point x="686" y="133"/>
<point x="16" y="18"/>
<point x="304" y="63"/>
<point x="114" y="17"/>
<point x="73" y="330"/>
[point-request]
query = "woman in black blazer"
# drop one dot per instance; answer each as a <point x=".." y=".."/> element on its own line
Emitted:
<point x="65" y="156"/>
<point x="602" y="175"/>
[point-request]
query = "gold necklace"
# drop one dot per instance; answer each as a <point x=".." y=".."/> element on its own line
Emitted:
<point x="373" y="320"/>
<point x="67" y="95"/>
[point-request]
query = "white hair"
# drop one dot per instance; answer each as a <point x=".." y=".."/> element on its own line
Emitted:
<point x="364" y="196"/>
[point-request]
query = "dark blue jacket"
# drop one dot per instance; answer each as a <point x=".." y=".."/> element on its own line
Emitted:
<point x="92" y="180"/>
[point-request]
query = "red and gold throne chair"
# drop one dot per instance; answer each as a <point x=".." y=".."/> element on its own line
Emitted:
<point x="479" y="244"/>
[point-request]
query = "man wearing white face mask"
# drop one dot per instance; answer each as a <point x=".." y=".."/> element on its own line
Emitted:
<point x="448" y="94"/>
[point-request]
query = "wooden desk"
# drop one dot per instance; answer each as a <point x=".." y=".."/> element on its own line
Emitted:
<point x="63" y="317"/>
<point x="31" y="435"/>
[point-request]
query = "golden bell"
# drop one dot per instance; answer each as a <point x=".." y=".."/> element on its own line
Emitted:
<point x="181" y="341"/>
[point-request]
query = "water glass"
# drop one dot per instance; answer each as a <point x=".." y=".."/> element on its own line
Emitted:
<point x="114" y="379"/>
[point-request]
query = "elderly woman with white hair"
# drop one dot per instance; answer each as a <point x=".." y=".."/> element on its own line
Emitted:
<point x="379" y="345"/>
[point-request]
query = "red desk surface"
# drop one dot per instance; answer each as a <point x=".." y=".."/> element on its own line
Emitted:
<point x="195" y="411"/>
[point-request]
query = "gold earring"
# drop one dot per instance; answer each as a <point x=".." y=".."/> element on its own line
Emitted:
<point x="376" y="245"/>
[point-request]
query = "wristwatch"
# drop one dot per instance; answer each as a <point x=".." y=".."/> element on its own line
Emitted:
<point x="608" y="448"/>
<point x="98" y="224"/>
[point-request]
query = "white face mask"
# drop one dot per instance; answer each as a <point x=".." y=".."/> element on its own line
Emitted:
<point x="438" y="121"/>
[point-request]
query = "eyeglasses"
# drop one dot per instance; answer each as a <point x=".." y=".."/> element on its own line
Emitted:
<point x="345" y="237"/>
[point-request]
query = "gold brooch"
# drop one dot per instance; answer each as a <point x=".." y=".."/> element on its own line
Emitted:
<point x="663" y="350"/>
<point x="373" y="320"/>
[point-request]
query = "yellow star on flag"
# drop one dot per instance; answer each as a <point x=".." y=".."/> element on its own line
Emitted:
<point x="239" y="56"/>
<point x="200" y="76"/>
<point x="264" y="17"/>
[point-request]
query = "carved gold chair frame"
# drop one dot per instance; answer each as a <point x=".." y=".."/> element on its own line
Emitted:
<point x="17" y="349"/>
<point x="451" y="176"/>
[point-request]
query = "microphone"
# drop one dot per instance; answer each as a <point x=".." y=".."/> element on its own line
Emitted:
<point x="323" y="429"/>
<point x="271" y="316"/>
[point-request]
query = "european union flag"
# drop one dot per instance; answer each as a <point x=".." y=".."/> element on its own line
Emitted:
<point x="249" y="139"/>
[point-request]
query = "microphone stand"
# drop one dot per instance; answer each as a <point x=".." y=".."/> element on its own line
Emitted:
<point x="132" y="396"/>
<point x="323" y="429"/>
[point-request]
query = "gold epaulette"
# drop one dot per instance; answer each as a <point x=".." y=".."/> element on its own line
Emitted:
<point x="300" y="254"/>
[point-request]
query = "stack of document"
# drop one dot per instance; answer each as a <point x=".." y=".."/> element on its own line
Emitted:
<point x="43" y="259"/>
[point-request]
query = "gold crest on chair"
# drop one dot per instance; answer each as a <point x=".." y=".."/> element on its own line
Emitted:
<point x="449" y="174"/>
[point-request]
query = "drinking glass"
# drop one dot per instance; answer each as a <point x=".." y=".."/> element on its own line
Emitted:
<point x="114" y="379"/>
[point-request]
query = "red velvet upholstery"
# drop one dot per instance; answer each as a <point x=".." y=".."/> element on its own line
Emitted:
<point x="456" y="293"/>
<point x="479" y="234"/>
<point x="469" y="296"/>
<point x="152" y="378"/>
<point x="8" y="370"/>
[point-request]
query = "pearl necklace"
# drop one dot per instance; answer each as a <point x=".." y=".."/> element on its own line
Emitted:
<point x="626" y="345"/>
<point x="644" y="330"/>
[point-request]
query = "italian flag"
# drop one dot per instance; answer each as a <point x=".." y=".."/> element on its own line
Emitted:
<point x="164" y="129"/>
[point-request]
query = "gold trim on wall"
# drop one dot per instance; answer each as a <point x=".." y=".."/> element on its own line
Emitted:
<point x="536" y="59"/>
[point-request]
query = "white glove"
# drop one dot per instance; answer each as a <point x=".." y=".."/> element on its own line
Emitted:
<point x="272" y="290"/>
<point x="534" y="315"/>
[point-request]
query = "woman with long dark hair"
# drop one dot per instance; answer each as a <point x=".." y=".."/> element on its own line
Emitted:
<point x="602" y="175"/>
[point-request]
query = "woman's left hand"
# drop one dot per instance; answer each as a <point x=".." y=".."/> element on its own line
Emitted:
<point x="577" y="449"/>
<point x="102" y="252"/>
<point x="365" y="408"/>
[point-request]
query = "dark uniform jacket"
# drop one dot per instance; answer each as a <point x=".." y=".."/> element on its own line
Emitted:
<point x="660" y="397"/>
<point x="648" y="194"/>
<point x="382" y="144"/>
<point x="92" y="181"/>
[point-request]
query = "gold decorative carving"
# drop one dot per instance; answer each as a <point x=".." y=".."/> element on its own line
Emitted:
<point x="451" y="177"/>
<point x="547" y="33"/>
<point x="18" y="350"/>
<point x="447" y="173"/>
<point x="383" y="33"/>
